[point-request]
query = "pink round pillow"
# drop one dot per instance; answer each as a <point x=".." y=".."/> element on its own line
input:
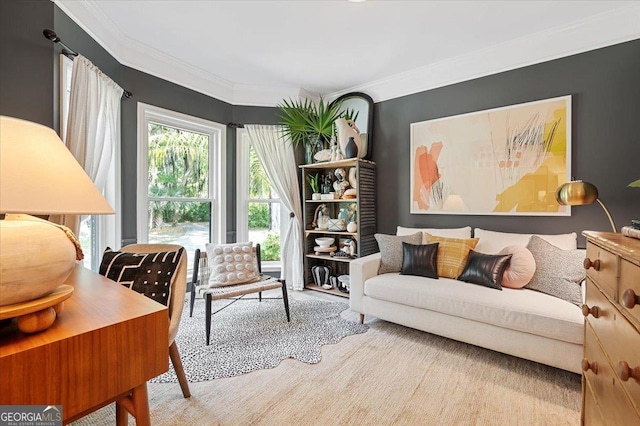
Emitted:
<point x="521" y="268"/>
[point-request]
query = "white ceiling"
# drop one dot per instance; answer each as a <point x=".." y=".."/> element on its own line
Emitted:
<point x="259" y="52"/>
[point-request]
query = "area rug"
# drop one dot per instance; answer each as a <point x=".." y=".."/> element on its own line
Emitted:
<point x="251" y="335"/>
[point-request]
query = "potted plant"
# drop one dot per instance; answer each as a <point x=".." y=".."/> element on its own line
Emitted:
<point x="313" y="181"/>
<point x="310" y="124"/>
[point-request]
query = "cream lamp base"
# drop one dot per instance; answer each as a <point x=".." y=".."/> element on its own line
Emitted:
<point x="35" y="258"/>
<point x="39" y="314"/>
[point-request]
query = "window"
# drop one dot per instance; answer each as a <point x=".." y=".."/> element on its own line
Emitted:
<point x="180" y="179"/>
<point x="259" y="211"/>
<point x="96" y="232"/>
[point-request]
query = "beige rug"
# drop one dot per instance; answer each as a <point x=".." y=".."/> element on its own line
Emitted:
<point x="390" y="375"/>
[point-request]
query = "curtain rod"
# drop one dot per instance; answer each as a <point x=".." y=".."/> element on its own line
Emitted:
<point x="68" y="52"/>
<point x="235" y="125"/>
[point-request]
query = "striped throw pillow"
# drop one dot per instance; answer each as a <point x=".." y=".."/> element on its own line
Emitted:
<point x="452" y="254"/>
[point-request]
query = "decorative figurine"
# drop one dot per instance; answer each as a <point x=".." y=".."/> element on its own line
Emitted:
<point x="340" y="185"/>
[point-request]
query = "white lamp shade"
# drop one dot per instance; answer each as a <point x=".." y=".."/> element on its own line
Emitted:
<point x="38" y="174"/>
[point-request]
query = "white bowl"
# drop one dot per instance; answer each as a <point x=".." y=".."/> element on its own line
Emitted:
<point x="325" y="241"/>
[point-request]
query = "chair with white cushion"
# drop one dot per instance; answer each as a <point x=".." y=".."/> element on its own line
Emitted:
<point x="201" y="286"/>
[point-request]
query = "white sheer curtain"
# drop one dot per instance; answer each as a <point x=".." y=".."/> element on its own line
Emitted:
<point x="93" y="126"/>
<point x="278" y="161"/>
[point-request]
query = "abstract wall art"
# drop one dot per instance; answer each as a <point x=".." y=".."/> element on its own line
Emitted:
<point x="501" y="161"/>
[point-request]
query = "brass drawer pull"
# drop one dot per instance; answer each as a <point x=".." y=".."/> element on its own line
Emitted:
<point x="625" y="372"/>
<point x="595" y="264"/>
<point x="586" y="366"/>
<point x="594" y="310"/>
<point x="630" y="299"/>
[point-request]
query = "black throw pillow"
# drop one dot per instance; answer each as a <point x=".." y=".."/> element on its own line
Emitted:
<point x="420" y="260"/>
<point x="147" y="273"/>
<point x="485" y="269"/>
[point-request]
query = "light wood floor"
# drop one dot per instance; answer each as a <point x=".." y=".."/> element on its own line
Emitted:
<point x="388" y="375"/>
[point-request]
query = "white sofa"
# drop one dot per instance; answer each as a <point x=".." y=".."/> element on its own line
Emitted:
<point x="519" y="322"/>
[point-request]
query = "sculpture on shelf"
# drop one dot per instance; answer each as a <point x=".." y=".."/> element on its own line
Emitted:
<point x="350" y="247"/>
<point x="347" y="129"/>
<point x="336" y="152"/>
<point x="353" y="180"/>
<point x="320" y="217"/>
<point x="340" y="185"/>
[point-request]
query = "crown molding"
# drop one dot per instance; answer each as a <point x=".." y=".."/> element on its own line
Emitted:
<point x="598" y="31"/>
<point x="139" y="56"/>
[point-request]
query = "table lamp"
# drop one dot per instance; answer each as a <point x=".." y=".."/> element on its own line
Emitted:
<point x="577" y="193"/>
<point x="38" y="175"/>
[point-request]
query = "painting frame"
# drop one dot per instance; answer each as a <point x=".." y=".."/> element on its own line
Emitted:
<point x="504" y="161"/>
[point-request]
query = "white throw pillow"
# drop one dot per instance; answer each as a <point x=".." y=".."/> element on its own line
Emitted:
<point x="462" y="233"/>
<point x="231" y="264"/>
<point x="491" y="242"/>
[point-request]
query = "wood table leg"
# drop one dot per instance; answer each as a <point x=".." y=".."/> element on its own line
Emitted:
<point x="141" y="405"/>
<point x="136" y="403"/>
<point x="361" y="318"/>
<point x="122" y="416"/>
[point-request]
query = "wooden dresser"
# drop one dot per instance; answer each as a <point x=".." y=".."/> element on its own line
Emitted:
<point x="611" y="364"/>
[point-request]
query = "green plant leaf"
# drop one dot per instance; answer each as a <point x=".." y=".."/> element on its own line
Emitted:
<point x="302" y="119"/>
<point x="635" y="184"/>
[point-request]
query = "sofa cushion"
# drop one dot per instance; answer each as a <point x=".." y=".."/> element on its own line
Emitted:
<point x="520" y="269"/>
<point x="452" y="254"/>
<point x="521" y="310"/>
<point x="391" y="250"/>
<point x="558" y="272"/>
<point x="420" y="260"/>
<point x="485" y="269"/>
<point x="440" y="232"/>
<point x="491" y="242"/>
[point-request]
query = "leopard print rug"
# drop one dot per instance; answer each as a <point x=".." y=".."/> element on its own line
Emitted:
<point x="251" y="335"/>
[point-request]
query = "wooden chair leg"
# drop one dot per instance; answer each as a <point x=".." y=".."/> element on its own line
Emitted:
<point x="177" y="366"/>
<point x="361" y="318"/>
<point x="207" y="315"/>
<point x="285" y="298"/>
<point x="192" y="299"/>
<point x="259" y="296"/>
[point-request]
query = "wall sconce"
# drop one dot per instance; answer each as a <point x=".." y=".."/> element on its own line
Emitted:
<point x="577" y="193"/>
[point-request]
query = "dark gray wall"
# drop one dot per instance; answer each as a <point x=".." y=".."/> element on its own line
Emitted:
<point x="29" y="89"/>
<point x="605" y="87"/>
<point x="606" y="118"/>
<point x="161" y="93"/>
<point x="26" y="61"/>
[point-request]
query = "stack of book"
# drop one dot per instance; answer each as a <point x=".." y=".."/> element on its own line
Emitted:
<point x="632" y="230"/>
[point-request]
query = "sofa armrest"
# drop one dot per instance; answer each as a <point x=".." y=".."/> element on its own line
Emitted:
<point x="360" y="270"/>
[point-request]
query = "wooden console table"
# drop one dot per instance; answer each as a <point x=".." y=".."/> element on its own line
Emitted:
<point x="103" y="347"/>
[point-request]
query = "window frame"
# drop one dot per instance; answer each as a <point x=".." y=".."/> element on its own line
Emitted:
<point x="243" y="200"/>
<point x="217" y="167"/>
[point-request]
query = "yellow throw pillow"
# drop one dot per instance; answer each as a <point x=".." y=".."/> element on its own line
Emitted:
<point x="452" y="254"/>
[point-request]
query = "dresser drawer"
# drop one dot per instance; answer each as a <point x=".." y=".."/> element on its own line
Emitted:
<point x="630" y="284"/>
<point x="592" y="415"/>
<point x="613" y="330"/>
<point x="604" y="269"/>
<point x="615" y="405"/>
